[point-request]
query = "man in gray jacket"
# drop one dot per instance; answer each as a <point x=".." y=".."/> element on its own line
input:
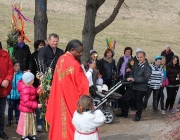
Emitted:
<point x="140" y="75"/>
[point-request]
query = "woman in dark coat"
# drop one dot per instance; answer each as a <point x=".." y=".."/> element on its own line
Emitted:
<point x="21" y="53"/>
<point x="173" y="70"/>
<point x="110" y="67"/>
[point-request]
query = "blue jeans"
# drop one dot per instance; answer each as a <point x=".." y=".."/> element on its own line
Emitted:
<point x="38" y="119"/>
<point x="13" y="105"/>
<point x="2" y="113"/>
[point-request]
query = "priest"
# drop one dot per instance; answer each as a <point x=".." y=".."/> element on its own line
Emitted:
<point x="69" y="83"/>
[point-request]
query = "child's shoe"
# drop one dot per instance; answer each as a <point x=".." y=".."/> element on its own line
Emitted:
<point x="39" y="128"/>
<point x="9" y="123"/>
<point x="25" y="138"/>
<point x="32" y="138"/>
<point x="163" y="112"/>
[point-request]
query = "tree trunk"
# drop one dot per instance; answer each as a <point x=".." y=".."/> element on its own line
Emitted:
<point x="89" y="30"/>
<point x="88" y="33"/>
<point x="41" y="20"/>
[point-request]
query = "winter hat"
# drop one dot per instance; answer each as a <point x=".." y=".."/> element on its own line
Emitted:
<point x="99" y="81"/>
<point x="104" y="87"/>
<point x="138" y="50"/>
<point x="27" y="77"/>
<point x="92" y="51"/>
<point x="157" y="57"/>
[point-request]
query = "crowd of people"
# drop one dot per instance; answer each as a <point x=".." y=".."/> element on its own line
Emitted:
<point x="70" y="110"/>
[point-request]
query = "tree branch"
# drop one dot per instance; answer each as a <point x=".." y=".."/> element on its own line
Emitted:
<point x="111" y="18"/>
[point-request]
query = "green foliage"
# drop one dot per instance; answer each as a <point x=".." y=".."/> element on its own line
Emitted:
<point x="12" y="38"/>
<point x="44" y="90"/>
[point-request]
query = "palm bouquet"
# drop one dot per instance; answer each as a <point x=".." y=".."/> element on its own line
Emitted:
<point x="44" y="88"/>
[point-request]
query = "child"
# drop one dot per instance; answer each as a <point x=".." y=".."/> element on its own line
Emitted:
<point x="86" y="121"/>
<point x="164" y="84"/>
<point x="28" y="104"/>
<point x="14" y="96"/>
<point x="154" y="83"/>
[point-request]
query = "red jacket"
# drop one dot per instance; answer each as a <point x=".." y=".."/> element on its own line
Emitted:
<point x="6" y="72"/>
<point x="28" y="95"/>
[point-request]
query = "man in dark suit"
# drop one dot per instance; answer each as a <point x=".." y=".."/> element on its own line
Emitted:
<point x="49" y="55"/>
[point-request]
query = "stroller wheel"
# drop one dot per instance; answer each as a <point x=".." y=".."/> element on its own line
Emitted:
<point x="109" y="116"/>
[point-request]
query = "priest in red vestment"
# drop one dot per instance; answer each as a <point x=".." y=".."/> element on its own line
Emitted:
<point x="69" y="83"/>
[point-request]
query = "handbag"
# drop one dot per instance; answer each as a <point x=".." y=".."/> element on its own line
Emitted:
<point x="165" y="82"/>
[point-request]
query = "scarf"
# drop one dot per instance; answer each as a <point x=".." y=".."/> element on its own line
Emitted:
<point x="167" y="52"/>
<point x="123" y="67"/>
<point x="20" y="45"/>
<point x="109" y="60"/>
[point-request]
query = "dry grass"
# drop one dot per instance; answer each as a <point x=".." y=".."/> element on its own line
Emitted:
<point x="149" y="24"/>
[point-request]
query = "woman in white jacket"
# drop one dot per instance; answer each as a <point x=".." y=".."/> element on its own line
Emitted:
<point x="86" y="121"/>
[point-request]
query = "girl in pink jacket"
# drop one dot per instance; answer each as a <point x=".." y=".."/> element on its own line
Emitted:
<point x="28" y="104"/>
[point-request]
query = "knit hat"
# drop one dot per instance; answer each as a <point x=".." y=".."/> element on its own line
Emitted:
<point x="92" y="51"/>
<point x="27" y="77"/>
<point x="99" y="81"/>
<point x="157" y="57"/>
<point x="138" y="50"/>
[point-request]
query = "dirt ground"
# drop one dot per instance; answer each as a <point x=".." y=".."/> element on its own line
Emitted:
<point x="149" y="128"/>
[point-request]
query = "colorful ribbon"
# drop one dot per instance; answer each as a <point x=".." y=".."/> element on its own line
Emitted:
<point x="19" y="13"/>
<point x="110" y="44"/>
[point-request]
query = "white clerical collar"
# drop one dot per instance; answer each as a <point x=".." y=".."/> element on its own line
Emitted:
<point x="69" y="52"/>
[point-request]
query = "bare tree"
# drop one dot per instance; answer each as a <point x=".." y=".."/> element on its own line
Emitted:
<point x="90" y="30"/>
<point x="41" y="20"/>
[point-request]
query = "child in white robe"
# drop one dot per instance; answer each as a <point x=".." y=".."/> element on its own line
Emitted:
<point x="86" y="121"/>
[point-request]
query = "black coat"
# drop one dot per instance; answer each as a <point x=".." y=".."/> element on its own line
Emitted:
<point x="172" y="72"/>
<point x="141" y="75"/>
<point x="100" y="67"/>
<point x="23" y="56"/>
<point x="110" y="70"/>
<point x="168" y="56"/>
<point x="47" y="57"/>
<point x="34" y="66"/>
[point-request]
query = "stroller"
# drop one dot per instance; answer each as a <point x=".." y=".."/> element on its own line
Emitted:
<point x="103" y="100"/>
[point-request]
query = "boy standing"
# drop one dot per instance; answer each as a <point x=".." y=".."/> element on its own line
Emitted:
<point x="14" y="96"/>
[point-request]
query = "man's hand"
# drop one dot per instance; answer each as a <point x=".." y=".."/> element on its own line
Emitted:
<point x="92" y="65"/>
<point x="130" y="79"/>
<point x="5" y="83"/>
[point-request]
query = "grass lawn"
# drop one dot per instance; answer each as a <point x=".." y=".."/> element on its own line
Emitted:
<point x="150" y="35"/>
